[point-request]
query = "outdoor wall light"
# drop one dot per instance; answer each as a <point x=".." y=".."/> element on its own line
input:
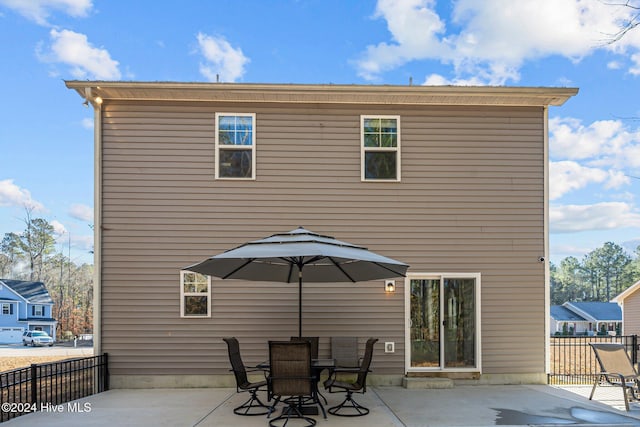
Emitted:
<point x="389" y="286"/>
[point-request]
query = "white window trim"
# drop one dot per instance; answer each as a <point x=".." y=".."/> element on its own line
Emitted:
<point x="238" y="147"/>
<point x="407" y="327"/>
<point x="186" y="294"/>
<point x="363" y="150"/>
<point x="2" y="306"/>
<point x="41" y="310"/>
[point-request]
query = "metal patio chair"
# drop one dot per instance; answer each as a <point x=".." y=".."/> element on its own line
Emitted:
<point x="243" y="384"/>
<point x="291" y="377"/>
<point x="344" y="351"/>
<point x="314" y="341"/>
<point x="616" y="369"/>
<point x="349" y="407"/>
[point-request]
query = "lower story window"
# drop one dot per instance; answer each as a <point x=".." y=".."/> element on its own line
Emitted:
<point x="195" y="295"/>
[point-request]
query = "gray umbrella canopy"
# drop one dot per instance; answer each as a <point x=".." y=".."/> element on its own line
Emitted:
<point x="300" y="255"/>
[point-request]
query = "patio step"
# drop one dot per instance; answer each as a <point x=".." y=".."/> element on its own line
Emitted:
<point x="426" y="383"/>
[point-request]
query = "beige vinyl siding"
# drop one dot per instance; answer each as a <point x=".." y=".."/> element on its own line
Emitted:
<point x="631" y="314"/>
<point x="470" y="200"/>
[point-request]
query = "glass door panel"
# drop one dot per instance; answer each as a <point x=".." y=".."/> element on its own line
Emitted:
<point x="425" y="323"/>
<point x="459" y="323"/>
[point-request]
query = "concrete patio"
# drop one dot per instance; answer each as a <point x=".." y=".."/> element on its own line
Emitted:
<point x="390" y="406"/>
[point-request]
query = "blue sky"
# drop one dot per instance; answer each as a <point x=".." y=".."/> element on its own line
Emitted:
<point x="46" y="134"/>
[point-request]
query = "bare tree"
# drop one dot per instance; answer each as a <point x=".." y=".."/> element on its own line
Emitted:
<point x="628" y="24"/>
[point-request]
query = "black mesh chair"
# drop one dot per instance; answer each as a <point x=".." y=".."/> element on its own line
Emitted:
<point x="349" y="407"/>
<point x="344" y="351"/>
<point x="291" y="377"/>
<point x="314" y="341"/>
<point x="253" y="406"/>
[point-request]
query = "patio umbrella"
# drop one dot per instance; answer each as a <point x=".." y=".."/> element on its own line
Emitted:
<point x="300" y="255"/>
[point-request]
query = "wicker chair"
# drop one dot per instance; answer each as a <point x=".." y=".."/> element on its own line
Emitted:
<point x="243" y="384"/>
<point x="291" y="377"/>
<point x="349" y="407"/>
<point x="617" y="370"/>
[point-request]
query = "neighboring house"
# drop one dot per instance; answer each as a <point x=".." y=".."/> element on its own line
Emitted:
<point x="450" y="180"/>
<point x="24" y="306"/>
<point x="588" y="318"/>
<point x="565" y="321"/>
<point x="629" y="302"/>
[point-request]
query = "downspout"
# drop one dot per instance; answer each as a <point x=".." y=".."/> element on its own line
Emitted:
<point x="97" y="229"/>
<point x="547" y="261"/>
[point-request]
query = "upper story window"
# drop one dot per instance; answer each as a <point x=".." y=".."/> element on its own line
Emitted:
<point x="195" y="294"/>
<point x="38" y="310"/>
<point x="235" y="146"/>
<point x="380" y="151"/>
<point x="7" y="308"/>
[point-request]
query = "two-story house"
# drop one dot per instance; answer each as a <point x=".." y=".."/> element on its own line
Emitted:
<point x="24" y="306"/>
<point x="453" y="181"/>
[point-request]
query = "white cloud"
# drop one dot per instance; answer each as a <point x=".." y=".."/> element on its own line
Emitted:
<point x="85" y="60"/>
<point x="566" y="176"/>
<point x="439" y="80"/>
<point x="87" y="123"/>
<point x="603" y="143"/>
<point x="635" y="69"/>
<point x="600" y="216"/>
<point x="12" y="195"/>
<point x="58" y="228"/>
<point x="40" y="10"/>
<point x="223" y="61"/>
<point x="84" y="243"/>
<point x="614" y="65"/>
<point x="495" y="37"/>
<point x="414" y="28"/>
<point x="81" y="212"/>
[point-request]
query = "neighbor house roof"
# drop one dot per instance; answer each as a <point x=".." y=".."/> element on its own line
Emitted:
<point x="33" y="292"/>
<point x="627" y="292"/>
<point x="97" y="92"/>
<point x="596" y="311"/>
<point x="560" y="313"/>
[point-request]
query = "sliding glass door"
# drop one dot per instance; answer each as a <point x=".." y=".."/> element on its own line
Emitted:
<point x="442" y="323"/>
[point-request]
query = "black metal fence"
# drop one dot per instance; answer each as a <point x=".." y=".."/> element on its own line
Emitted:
<point x="572" y="360"/>
<point x="43" y="387"/>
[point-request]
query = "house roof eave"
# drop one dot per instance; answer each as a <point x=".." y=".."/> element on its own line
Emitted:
<point x="627" y="292"/>
<point x="321" y="93"/>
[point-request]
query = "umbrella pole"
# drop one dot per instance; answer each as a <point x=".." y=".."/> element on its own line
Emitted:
<point x="300" y="302"/>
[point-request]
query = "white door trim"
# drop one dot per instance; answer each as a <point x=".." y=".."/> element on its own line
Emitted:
<point x="407" y="319"/>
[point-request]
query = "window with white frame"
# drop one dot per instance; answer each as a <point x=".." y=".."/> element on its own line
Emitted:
<point x="7" y="308"/>
<point x="195" y="294"/>
<point x="235" y="146"/>
<point x="380" y="151"/>
<point x="38" y="310"/>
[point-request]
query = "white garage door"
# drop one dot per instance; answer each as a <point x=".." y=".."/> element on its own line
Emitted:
<point x="10" y="335"/>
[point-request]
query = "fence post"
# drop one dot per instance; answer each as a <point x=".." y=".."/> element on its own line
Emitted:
<point x="634" y="351"/>
<point x="34" y="382"/>
<point x="106" y="371"/>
